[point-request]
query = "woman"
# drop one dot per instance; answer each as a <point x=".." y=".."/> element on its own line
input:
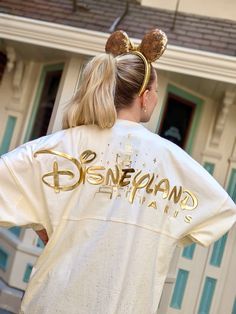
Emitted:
<point x="114" y="198"/>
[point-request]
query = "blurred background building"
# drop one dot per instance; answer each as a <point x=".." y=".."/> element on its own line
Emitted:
<point x="43" y="47"/>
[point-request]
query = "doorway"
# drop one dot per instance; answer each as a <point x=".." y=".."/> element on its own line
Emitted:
<point x="180" y="117"/>
<point x="44" y="101"/>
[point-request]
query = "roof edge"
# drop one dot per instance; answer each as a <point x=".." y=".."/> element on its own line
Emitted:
<point x="88" y="42"/>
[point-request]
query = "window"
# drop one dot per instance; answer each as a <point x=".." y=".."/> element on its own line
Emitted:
<point x="3" y="259"/>
<point x="177" y="120"/>
<point x="49" y="84"/>
<point x="15" y="231"/>
<point x="180" y="117"/>
<point x="3" y="63"/>
<point x="40" y="243"/>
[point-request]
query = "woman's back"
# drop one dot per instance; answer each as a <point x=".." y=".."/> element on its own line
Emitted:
<point x="103" y="255"/>
<point x="115" y="205"/>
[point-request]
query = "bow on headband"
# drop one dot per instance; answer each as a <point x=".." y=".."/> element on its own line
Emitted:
<point x="151" y="48"/>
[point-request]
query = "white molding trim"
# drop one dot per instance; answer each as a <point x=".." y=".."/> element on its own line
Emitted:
<point x="86" y="42"/>
<point x="212" y="154"/>
<point x="17" y="244"/>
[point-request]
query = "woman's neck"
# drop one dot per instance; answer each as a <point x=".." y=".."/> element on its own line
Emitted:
<point x="129" y="114"/>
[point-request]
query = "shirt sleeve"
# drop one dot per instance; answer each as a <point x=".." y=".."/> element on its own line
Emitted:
<point x="20" y="194"/>
<point x="214" y="213"/>
<point x="215" y="226"/>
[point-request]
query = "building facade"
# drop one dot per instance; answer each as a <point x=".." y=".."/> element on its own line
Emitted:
<point x="41" y="64"/>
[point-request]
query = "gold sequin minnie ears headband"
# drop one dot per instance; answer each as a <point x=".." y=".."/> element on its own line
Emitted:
<point x="151" y="48"/>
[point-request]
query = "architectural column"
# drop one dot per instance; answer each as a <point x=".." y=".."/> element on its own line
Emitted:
<point x="68" y="86"/>
<point x="221" y="119"/>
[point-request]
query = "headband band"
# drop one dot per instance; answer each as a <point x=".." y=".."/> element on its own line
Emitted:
<point x="147" y="73"/>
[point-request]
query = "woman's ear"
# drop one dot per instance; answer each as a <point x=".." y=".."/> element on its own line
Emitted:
<point x="144" y="98"/>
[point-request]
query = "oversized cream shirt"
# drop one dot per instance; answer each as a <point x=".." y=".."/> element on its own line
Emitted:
<point x="115" y="203"/>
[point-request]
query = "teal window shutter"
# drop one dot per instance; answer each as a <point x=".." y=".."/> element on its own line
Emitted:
<point x="189" y="251"/>
<point x="219" y="246"/>
<point x="232" y="185"/>
<point x="27" y="273"/>
<point x="40" y="243"/>
<point x="210" y="167"/>
<point x="16" y="231"/>
<point x="234" y="307"/>
<point x="3" y="259"/>
<point x="207" y="296"/>
<point x="11" y="122"/>
<point x="179" y="289"/>
<point x="218" y="251"/>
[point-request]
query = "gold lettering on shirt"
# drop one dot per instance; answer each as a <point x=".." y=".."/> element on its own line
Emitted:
<point x="112" y="177"/>
<point x="164" y="187"/>
<point x="176" y="194"/>
<point x="153" y="204"/>
<point x="125" y="175"/>
<point x="138" y="183"/>
<point x="166" y="210"/>
<point x="55" y="173"/>
<point x="143" y="200"/>
<point x="149" y="189"/>
<point x="87" y="157"/>
<point x="188" y="219"/>
<point x="189" y="202"/>
<point x="105" y="190"/>
<point x="133" y="183"/>
<point x="93" y="177"/>
<point x="176" y="213"/>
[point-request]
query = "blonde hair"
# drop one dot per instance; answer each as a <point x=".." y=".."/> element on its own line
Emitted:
<point x="108" y="85"/>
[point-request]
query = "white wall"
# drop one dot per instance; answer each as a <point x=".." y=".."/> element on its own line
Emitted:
<point x="16" y="100"/>
<point x="214" y="8"/>
<point x="67" y="89"/>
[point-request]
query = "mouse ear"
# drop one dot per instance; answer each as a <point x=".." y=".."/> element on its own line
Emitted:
<point x="153" y="44"/>
<point x="118" y="43"/>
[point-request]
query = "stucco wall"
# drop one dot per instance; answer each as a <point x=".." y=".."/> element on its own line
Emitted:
<point x="221" y="9"/>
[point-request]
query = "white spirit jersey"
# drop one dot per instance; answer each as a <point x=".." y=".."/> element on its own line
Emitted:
<point x="115" y="203"/>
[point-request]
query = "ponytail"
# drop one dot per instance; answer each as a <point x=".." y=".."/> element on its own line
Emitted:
<point x="94" y="101"/>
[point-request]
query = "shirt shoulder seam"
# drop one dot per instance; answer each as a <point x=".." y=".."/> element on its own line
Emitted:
<point x="120" y="221"/>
